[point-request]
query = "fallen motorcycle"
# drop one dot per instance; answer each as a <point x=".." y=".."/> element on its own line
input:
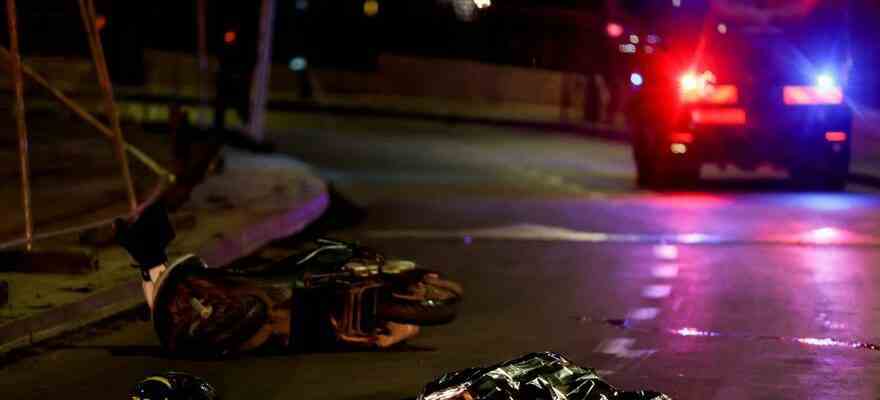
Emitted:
<point x="334" y="294"/>
<point x="339" y="294"/>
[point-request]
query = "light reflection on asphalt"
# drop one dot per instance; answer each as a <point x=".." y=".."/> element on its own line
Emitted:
<point x="818" y="236"/>
<point x="692" y="332"/>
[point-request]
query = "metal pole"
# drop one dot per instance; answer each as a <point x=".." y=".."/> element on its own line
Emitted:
<point x="202" y="40"/>
<point x="87" y="11"/>
<point x="88" y="117"/>
<point x="18" y="89"/>
<point x="260" y="76"/>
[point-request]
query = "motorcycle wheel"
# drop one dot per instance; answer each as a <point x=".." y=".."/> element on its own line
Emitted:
<point x="420" y="297"/>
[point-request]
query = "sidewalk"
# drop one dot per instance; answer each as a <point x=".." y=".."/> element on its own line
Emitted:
<point x="256" y="199"/>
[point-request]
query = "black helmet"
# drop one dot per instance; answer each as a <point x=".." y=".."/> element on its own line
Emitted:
<point x="173" y="386"/>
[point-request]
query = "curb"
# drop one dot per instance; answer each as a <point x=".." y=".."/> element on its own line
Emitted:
<point x="865" y="179"/>
<point x="281" y="105"/>
<point x="601" y="131"/>
<point x="111" y="301"/>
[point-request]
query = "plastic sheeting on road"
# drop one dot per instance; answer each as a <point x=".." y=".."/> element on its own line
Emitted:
<point x="173" y="386"/>
<point x="534" y="376"/>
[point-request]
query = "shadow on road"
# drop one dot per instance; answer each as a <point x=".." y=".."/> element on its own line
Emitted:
<point x="121" y="351"/>
<point x="155" y="351"/>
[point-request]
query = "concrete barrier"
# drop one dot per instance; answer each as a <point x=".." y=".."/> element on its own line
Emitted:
<point x="404" y="84"/>
<point x="456" y="88"/>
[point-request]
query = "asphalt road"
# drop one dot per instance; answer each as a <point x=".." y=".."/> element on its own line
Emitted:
<point x="743" y="289"/>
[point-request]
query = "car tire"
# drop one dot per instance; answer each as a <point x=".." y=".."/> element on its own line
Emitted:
<point x="643" y="155"/>
<point x="812" y="179"/>
<point x="643" y="173"/>
<point x="674" y="174"/>
<point x="657" y="168"/>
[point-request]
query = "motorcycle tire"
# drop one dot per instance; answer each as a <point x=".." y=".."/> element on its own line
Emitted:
<point x="420" y="297"/>
<point x="416" y="313"/>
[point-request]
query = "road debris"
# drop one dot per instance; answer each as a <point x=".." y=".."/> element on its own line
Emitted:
<point x="545" y="375"/>
<point x="172" y="386"/>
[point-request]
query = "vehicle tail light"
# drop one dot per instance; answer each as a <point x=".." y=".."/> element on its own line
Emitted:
<point x="835" y="136"/>
<point x="719" y="116"/>
<point x="691" y="82"/>
<point x="812" y="95"/>
<point x="678" y="148"/>
<point x="681" y="137"/>
<point x="722" y="94"/>
<point x="702" y="89"/>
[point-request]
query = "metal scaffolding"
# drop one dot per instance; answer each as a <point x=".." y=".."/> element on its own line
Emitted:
<point x="113" y="132"/>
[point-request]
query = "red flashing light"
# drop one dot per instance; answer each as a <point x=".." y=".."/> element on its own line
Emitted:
<point x="811" y="95"/>
<point x="722" y="94"/>
<point x="691" y="83"/>
<point x="681" y="137"/>
<point x="614" y="29"/>
<point x="701" y="88"/>
<point x="835" y="136"/>
<point x="719" y="116"/>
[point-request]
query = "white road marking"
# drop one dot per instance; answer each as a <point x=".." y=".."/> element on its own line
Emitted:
<point x="520" y="232"/>
<point x="677" y="304"/>
<point x="666" y="271"/>
<point x="666" y="252"/>
<point x="622" y="347"/>
<point x="553" y="180"/>
<point x="656" y="291"/>
<point x="644" y="313"/>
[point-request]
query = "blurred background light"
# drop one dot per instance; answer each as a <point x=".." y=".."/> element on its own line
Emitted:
<point x="614" y="29"/>
<point x="298" y="64"/>
<point x="823" y="235"/>
<point x="689" y="82"/>
<point x="371" y="8"/>
<point x="100" y="22"/>
<point x="825" y="81"/>
<point x="229" y="37"/>
<point x="636" y="79"/>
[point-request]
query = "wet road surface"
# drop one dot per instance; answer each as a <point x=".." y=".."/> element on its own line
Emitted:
<point x="748" y="290"/>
